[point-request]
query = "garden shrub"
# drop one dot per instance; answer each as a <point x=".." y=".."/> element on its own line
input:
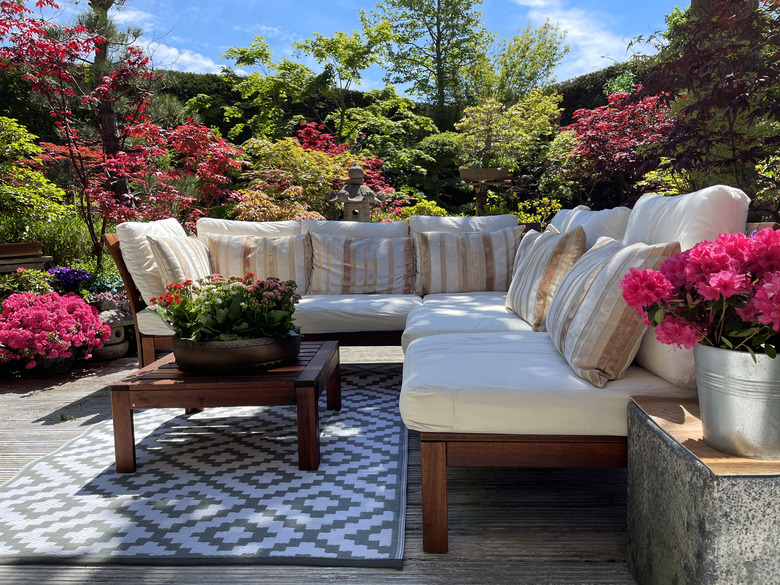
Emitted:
<point x="24" y="280"/>
<point x="65" y="237"/>
<point x="255" y="205"/>
<point x="423" y="208"/>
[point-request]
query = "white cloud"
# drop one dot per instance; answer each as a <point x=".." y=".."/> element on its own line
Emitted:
<point x="168" y="57"/>
<point x="593" y="45"/>
<point x="133" y="17"/>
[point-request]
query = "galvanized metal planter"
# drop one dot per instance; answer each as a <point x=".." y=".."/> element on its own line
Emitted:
<point x="231" y="356"/>
<point x="739" y="401"/>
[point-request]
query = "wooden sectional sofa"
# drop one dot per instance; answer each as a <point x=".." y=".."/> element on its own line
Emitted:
<point x="484" y="385"/>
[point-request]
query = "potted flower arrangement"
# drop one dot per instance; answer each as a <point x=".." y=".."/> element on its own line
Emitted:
<point x="721" y="298"/>
<point x="48" y="331"/>
<point x="222" y="323"/>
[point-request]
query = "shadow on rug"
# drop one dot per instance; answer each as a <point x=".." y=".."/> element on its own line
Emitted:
<point x="221" y="487"/>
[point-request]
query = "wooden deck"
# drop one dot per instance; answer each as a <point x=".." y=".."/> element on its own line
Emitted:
<point x="507" y="526"/>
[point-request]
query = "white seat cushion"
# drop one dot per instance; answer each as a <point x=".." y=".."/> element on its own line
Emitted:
<point x="515" y="383"/>
<point x="349" y="313"/>
<point x="461" y="313"/>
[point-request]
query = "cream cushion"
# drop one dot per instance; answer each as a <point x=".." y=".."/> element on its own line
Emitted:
<point x="361" y="265"/>
<point x="605" y="222"/>
<point x="513" y="383"/>
<point x="351" y="313"/>
<point x="459" y="225"/>
<point x="152" y="324"/>
<point x="589" y="321"/>
<point x="461" y="313"/>
<point x="283" y="257"/>
<point x="138" y="256"/>
<point x="207" y="226"/>
<point x="180" y="259"/>
<point x="541" y="262"/>
<point x="688" y="219"/>
<point x="357" y="229"/>
<point x="465" y="262"/>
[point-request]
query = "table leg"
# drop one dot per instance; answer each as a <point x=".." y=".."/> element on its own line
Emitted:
<point x="124" y="433"/>
<point x="308" y="429"/>
<point x="333" y="389"/>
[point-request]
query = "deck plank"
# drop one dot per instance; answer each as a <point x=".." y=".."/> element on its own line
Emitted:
<point x="511" y="526"/>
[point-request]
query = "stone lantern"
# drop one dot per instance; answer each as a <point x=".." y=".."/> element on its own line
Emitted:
<point x="356" y="197"/>
<point x="117" y="345"/>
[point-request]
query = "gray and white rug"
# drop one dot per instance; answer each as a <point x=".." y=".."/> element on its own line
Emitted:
<point x="222" y="486"/>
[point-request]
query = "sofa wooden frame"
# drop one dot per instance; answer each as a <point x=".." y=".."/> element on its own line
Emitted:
<point x="150" y="345"/>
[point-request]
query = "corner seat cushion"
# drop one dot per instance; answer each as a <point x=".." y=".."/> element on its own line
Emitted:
<point x="513" y="383"/>
<point x="604" y="222"/>
<point x="461" y="313"/>
<point x="152" y="324"/>
<point x="350" y="313"/>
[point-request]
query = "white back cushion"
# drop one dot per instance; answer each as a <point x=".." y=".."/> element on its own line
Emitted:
<point x="137" y="253"/>
<point x="687" y="219"/>
<point x="357" y="229"/>
<point x="230" y="227"/>
<point x="460" y="225"/>
<point x="606" y="222"/>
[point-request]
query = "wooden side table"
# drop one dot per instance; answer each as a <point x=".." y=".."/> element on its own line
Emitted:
<point x="696" y="515"/>
<point x="162" y="385"/>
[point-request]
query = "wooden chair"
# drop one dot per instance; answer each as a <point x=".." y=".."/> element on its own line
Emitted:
<point x="148" y="345"/>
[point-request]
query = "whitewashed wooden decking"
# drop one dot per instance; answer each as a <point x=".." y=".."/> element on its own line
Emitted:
<point x="507" y="526"/>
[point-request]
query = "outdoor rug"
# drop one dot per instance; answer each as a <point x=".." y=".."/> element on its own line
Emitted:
<point x="221" y="487"/>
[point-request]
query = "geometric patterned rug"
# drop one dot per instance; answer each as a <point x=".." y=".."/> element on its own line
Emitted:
<point x="222" y="486"/>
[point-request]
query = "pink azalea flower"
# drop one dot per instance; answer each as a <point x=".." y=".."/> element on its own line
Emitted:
<point x="675" y="332"/>
<point x="642" y="288"/>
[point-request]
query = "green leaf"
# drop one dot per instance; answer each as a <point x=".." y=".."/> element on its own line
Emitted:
<point x="770" y="350"/>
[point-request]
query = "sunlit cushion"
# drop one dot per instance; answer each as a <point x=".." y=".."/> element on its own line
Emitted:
<point x="459" y="225"/>
<point x="137" y="252"/>
<point x="283" y="257"/>
<point x="604" y="222"/>
<point x="542" y="260"/>
<point x="589" y="322"/>
<point x="361" y="265"/>
<point x="465" y="262"/>
<point x="180" y="259"/>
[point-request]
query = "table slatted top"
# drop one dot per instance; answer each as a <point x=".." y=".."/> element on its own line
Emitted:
<point x="163" y="374"/>
<point x="681" y="420"/>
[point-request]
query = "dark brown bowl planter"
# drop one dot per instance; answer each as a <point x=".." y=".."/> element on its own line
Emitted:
<point x="474" y="175"/>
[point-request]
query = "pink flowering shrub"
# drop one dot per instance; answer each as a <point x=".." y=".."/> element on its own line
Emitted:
<point x="48" y="326"/>
<point x="222" y="308"/>
<point x="721" y="293"/>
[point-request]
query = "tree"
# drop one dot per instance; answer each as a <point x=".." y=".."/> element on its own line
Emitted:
<point x="520" y="64"/>
<point x="344" y="57"/>
<point x="615" y="143"/>
<point x="428" y="43"/>
<point x="24" y="190"/>
<point x="389" y="128"/>
<point x="268" y="93"/>
<point x="81" y="75"/>
<point x="725" y="83"/>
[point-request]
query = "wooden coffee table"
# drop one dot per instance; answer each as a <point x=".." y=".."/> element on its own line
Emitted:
<point x="162" y="385"/>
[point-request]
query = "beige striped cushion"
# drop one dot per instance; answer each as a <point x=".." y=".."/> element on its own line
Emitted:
<point x="283" y="257"/>
<point x="465" y="262"/>
<point x="180" y="259"/>
<point x="542" y="260"/>
<point x="589" y="322"/>
<point x="361" y="265"/>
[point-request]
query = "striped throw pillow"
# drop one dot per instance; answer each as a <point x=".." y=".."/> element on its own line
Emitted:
<point x="283" y="257"/>
<point x="465" y="262"/>
<point x="589" y="322"/>
<point x="542" y="260"/>
<point x="361" y="265"/>
<point x="180" y="259"/>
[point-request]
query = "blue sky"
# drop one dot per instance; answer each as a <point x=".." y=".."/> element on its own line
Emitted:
<point x="191" y="35"/>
